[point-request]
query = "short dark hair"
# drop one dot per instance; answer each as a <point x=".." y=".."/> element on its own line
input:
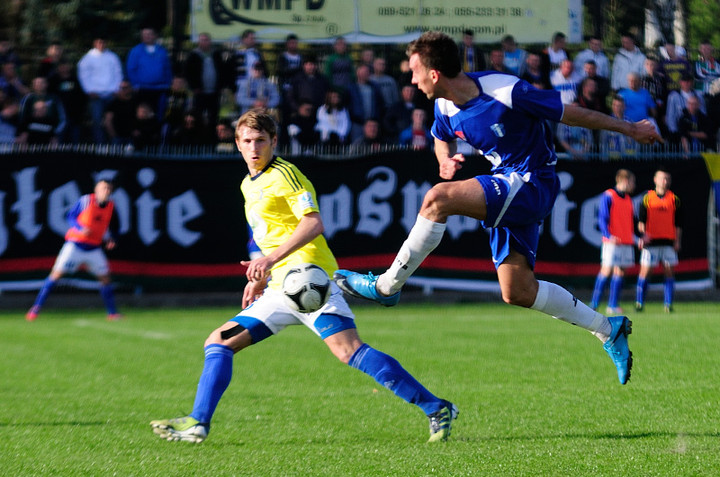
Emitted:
<point x="437" y="51"/>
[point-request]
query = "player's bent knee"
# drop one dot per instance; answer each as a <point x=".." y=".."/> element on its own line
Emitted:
<point x="213" y="338"/>
<point x="435" y="202"/>
<point x="344" y="354"/>
<point x="515" y="298"/>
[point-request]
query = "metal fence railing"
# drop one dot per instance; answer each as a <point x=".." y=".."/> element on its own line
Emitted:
<point x="641" y="152"/>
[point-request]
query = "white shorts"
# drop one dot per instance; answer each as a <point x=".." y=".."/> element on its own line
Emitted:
<point x="617" y="255"/>
<point x="653" y="255"/>
<point x="72" y="257"/>
<point x="273" y="312"/>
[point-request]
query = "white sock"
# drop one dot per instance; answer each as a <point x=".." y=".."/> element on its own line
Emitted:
<point x="422" y="239"/>
<point x="561" y="304"/>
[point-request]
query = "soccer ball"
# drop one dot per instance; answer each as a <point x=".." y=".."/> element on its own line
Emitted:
<point x="306" y="288"/>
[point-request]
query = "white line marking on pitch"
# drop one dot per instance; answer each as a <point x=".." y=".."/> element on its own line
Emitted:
<point x="152" y="335"/>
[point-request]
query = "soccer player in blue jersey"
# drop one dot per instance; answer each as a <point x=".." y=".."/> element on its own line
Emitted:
<point x="503" y="118"/>
<point x="281" y="208"/>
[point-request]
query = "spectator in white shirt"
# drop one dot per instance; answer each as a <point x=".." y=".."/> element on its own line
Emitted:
<point x="628" y="59"/>
<point x="99" y="73"/>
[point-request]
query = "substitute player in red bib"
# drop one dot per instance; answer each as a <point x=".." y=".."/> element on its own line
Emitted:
<point x="93" y="222"/>
<point x="659" y="215"/>
<point x="616" y="221"/>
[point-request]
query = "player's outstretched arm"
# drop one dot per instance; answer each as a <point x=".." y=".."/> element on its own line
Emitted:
<point x="643" y="131"/>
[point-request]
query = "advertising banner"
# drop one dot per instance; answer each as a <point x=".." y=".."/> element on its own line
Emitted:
<point x="182" y="223"/>
<point x="378" y="21"/>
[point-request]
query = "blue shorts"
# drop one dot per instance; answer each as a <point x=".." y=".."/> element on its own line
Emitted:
<point x="516" y="206"/>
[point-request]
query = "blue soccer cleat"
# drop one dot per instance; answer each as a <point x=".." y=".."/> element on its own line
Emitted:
<point x="363" y="286"/>
<point x="617" y="346"/>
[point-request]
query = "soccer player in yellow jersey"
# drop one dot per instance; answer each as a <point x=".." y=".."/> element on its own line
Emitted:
<point x="281" y="208"/>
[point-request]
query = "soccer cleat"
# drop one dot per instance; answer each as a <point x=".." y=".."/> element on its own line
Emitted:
<point x="617" y="346"/>
<point x="639" y="306"/>
<point x="186" y="429"/>
<point x="363" y="286"/>
<point x="115" y="317"/>
<point x="668" y="308"/>
<point x="33" y="313"/>
<point x="441" y="422"/>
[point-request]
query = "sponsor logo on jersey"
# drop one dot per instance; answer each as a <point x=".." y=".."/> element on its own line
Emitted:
<point x="498" y="129"/>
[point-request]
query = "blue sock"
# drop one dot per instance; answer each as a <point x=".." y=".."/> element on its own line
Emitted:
<point x="214" y="380"/>
<point x="600" y="282"/>
<point x="615" y="290"/>
<point x="669" y="290"/>
<point x="106" y="292"/>
<point x="640" y="290"/>
<point x="47" y="287"/>
<point x="389" y="373"/>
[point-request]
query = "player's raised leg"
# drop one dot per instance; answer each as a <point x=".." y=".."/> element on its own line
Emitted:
<point x="520" y="287"/>
<point x="444" y="199"/>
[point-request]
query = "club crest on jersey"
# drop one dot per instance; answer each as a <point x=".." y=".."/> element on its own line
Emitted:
<point x="498" y="129"/>
<point x="460" y="134"/>
<point x="306" y="200"/>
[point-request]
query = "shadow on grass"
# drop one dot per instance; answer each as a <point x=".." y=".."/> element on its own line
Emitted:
<point x="617" y="436"/>
<point x="60" y="423"/>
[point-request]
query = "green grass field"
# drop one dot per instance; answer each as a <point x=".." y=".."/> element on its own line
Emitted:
<point x="536" y="396"/>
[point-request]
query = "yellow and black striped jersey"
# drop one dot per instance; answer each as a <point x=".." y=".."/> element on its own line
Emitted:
<point x="275" y="201"/>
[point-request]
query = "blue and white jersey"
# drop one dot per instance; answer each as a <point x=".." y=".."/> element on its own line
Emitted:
<point x="505" y="123"/>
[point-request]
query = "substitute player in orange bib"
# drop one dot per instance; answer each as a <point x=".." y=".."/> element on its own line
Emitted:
<point x="93" y="223"/>
<point x="659" y="217"/>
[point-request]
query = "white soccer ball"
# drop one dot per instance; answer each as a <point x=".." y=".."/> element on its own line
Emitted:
<point x="306" y="288"/>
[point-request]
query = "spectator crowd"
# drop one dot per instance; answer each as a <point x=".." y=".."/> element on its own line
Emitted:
<point x="339" y="99"/>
